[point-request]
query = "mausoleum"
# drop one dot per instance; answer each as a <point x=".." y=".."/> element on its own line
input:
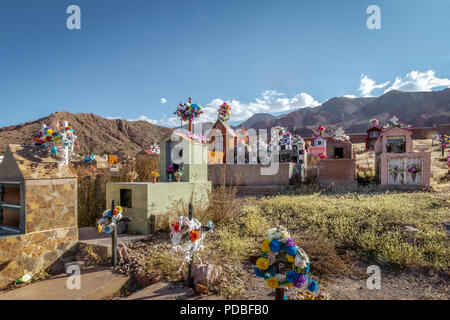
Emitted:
<point x="396" y="163"/>
<point x="144" y="201"/>
<point x="38" y="212"/>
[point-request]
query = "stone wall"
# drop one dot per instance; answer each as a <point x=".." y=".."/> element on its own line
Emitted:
<point x="33" y="252"/>
<point x="250" y="174"/>
<point x="50" y="229"/>
<point x="337" y="172"/>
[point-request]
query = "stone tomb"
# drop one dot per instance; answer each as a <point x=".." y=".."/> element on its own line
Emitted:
<point x="395" y="160"/>
<point x="221" y="143"/>
<point x="38" y="212"/>
<point x="144" y="201"/>
<point x="340" y="166"/>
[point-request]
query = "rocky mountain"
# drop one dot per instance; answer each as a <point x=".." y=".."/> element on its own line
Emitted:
<point x="420" y="109"/>
<point x="95" y="134"/>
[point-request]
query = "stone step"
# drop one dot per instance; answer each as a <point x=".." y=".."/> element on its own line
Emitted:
<point x="96" y="283"/>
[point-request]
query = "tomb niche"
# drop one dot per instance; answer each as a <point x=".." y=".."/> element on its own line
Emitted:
<point x="339" y="168"/>
<point x="38" y="212"/>
<point x="396" y="163"/>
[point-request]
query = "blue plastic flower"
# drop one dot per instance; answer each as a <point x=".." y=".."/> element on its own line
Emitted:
<point x="274" y="245"/>
<point x="312" y="286"/>
<point x="290" y="250"/>
<point x="306" y="269"/>
<point x="259" y="272"/>
<point x="271" y="271"/>
<point x="291" y="276"/>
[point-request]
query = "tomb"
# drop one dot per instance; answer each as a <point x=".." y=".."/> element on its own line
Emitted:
<point x="339" y="168"/>
<point x="318" y="148"/>
<point x="38" y="212"/>
<point x="396" y="163"/>
<point x="144" y="201"/>
<point x="372" y="137"/>
<point x="223" y="146"/>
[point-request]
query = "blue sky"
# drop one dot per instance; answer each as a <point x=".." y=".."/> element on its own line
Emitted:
<point x="259" y="55"/>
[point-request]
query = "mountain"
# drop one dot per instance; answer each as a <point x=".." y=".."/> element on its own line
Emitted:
<point x="95" y="134"/>
<point x="420" y="109"/>
<point x="257" y="118"/>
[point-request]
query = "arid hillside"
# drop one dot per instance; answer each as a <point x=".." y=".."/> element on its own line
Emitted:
<point x="95" y="134"/>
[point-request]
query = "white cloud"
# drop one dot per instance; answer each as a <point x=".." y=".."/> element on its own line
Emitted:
<point x="351" y="96"/>
<point x="419" y="81"/>
<point x="367" y="85"/>
<point x="270" y="102"/>
<point x="163" y="100"/>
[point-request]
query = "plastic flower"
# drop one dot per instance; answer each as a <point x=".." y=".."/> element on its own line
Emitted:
<point x="301" y="279"/>
<point x="194" y="235"/>
<point x="290" y="258"/>
<point x="291" y="276"/>
<point x="262" y="263"/>
<point x="290" y="243"/>
<point x="274" y="245"/>
<point x="176" y="226"/>
<point x="291" y="250"/>
<point x="272" y="283"/>
<point x="265" y="246"/>
<point x="312" y="286"/>
<point x="258" y="272"/>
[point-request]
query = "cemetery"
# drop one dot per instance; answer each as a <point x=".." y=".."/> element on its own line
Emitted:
<point x="212" y="219"/>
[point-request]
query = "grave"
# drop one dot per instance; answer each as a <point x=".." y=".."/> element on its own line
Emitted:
<point x="372" y="135"/>
<point x="395" y="161"/>
<point x="38" y="212"/>
<point x="221" y="143"/>
<point x="339" y="168"/>
<point x="144" y="201"/>
<point x="318" y="148"/>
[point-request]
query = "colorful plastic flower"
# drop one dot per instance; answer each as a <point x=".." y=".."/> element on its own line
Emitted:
<point x="291" y="276"/>
<point x="176" y="226"/>
<point x="275" y="245"/>
<point x="262" y="263"/>
<point x="272" y="283"/>
<point x="291" y="250"/>
<point x="301" y="279"/>
<point x="194" y="235"/>
<point x="312" y="286"/>
<point x="258" y="272"/>
<point x="265" y="246"/>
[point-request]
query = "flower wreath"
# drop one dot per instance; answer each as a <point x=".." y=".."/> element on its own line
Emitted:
<point x="187" y="235"/>
<point x="279" y="250"/>
<point x="109" y="220"/>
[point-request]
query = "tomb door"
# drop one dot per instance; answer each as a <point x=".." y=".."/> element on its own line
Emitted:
<point x="396" y="171"/>
<point x="413" y="171"/>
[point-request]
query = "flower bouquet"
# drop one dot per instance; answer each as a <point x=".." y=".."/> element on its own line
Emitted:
<point x="109" y="220"/>
<point x="414" y="169"/>
<point x="154" y="175"/>
<point x="178" y="174"/>
<point x="133" y="175"/>
<point x="169" y="171"/>
<point x="224" y="112"/>
<point x="394" y="171"/>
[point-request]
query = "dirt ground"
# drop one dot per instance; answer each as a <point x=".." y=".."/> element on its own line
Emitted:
<point x="395" y="285"/>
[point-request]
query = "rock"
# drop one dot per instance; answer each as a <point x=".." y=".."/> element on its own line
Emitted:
<point x="447" y="228"/>
<point x="201" y="288"/>
<point x="206" y="274"/>
<point x="411" y="229"/>
<point x="191" y="292"/>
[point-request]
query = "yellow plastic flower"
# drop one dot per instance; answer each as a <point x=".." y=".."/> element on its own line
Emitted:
<point x="290" y="258"/>
<point x="265" y="246"/>
<point x="99" y="228"/>
<point x="272" y="283"/>
<point x="119" y="208"/>
<point x="289" y="284"/>
<point x="262" y="264"/>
